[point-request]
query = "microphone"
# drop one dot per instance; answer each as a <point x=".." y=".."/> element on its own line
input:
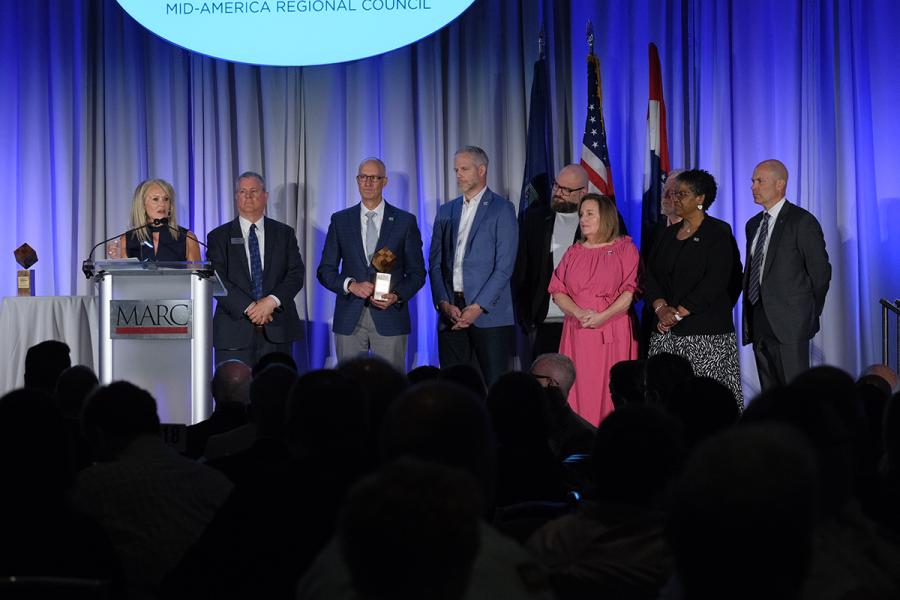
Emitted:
<point x="165" y="222"/>
<point x="87" y="265"/>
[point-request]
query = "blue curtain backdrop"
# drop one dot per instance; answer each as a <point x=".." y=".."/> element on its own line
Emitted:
<point x="92" y="103"/>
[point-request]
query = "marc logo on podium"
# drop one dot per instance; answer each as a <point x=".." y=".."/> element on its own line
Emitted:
<point x="150" y="319"/>
<point x="293" y="32"/>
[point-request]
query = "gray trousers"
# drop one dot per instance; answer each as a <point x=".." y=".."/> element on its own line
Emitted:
<point x="365" y="339"/>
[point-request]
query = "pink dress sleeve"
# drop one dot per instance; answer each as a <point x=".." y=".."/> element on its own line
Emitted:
<point x="557" y="280"/>
<point x="631" y="259"/>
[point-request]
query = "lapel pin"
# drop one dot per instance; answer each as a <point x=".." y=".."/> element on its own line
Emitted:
<point x="696" y="239"/>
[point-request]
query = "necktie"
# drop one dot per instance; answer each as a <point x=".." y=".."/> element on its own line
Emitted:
<point x="256" y="273"/>
<point x="757" y="262"/>
<point x="371" y="235"/>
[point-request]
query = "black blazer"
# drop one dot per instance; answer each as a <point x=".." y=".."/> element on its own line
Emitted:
<point x="795" y="277"/>
<point x="534" y="266"/>
<point x="283" y="274"/>
<point x="701" y="273"/>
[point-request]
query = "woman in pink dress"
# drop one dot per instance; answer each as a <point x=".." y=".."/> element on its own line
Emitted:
<point x="594" y="285"/>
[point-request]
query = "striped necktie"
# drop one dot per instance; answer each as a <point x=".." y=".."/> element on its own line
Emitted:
<point x="756" y="264"/>
<point x="256" y="272"/>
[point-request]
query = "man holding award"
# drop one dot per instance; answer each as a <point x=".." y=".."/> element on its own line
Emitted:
<point x="372" y="261"/>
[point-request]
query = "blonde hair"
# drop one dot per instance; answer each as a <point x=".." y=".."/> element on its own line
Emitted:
<point x="609" y="216"/>
<point x="139" y="214"/>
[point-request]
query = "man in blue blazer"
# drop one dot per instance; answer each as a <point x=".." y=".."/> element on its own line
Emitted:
<point x="362" y="322"/>
<point x="259" y="262"/>
<point x="785" y="281"/>
<point x="473" y="253"/>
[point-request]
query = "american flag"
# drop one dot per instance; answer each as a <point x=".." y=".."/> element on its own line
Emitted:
<point x="594" y="153"/>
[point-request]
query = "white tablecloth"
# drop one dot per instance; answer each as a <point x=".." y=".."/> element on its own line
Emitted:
<point x="25" y="321"/>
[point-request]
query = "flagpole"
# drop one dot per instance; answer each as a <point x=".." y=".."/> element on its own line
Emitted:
<point x="590" y="37"/>
<point x="542" y="44"/>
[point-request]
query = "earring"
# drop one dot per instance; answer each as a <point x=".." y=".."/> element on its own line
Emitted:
<point x="700" y="207"/>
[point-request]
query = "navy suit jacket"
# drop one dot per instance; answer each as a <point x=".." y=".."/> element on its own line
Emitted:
<point x="344" y="256"/>
<point x="795" y="278"/>
<point x="489" y="260"/>
<point x="283" y="274"/>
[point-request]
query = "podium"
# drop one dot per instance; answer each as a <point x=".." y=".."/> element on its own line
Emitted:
<point x="155" y="322"/>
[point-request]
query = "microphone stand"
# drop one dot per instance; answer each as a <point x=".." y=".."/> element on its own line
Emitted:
<point x="87" y="266"/>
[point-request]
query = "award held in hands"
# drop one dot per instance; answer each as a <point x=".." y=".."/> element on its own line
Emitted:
<point x="383" y="261"/>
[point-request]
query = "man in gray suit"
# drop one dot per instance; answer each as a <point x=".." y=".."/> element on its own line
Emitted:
<point x="785" y="281"/>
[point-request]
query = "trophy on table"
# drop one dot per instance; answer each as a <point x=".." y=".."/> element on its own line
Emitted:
<point x="383" y="261"/>
<point x="26" y="257"/>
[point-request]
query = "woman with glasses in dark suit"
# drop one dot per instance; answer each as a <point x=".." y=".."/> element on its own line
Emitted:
<point x="693" y="281"/>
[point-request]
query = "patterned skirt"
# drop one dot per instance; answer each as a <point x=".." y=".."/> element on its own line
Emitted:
<point x="714" y="356"/>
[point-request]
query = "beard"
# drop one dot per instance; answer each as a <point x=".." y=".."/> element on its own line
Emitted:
<point x="561" y="206"/>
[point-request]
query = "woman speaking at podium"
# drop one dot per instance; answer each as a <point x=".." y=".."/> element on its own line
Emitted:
<point x="154" y="232"/>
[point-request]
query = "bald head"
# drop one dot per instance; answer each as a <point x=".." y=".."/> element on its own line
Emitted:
<point x="571" y="184"/>
<point x="776" y="168"/>
<point x="231" y="382"/>
<point x="884" y="372"/>
<point x="576" y="174"/>
<point x="554" y="368"/>
<point x="769" y="182"/>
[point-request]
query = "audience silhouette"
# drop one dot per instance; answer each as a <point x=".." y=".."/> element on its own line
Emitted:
<point x="362" y="482"/>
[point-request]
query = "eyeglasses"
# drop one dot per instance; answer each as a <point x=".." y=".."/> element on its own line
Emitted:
<point x="542" y="378"/>
<point x="566" y="190"/>
<point x="369" y="178"/>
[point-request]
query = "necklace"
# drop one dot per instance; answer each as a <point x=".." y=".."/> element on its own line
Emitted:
<point x="687" y="228"/>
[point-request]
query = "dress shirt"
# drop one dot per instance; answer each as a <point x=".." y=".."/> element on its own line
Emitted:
<point x="773" y="215"/>
<point x="467" y="216"/>
<point x="261" y="238"/>
<point x="564" y="228"/>
<point x="363" y="223"/>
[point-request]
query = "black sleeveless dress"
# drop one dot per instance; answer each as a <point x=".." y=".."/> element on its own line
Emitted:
<point x="169" y="249"/>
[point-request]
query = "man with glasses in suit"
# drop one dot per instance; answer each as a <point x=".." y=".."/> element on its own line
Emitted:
<point x="364" y="321"/>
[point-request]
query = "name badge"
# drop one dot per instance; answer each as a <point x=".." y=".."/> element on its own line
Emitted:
<point x="237" y="241"/>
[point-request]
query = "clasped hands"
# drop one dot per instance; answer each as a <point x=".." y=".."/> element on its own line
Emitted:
<point x="590" y="319"/>
<point x="461" y="319"/>
<point x="260" y="312"/>
<point x="366" y="289"/>
<point x="669" y="317"/>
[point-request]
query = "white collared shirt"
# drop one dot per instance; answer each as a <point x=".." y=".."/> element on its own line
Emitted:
<point x="564" y="228"/>
<point x="466" y="218"/>
<point x="773" y="216"/>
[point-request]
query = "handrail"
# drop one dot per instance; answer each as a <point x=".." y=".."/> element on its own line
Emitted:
<point x="887" y="306"/>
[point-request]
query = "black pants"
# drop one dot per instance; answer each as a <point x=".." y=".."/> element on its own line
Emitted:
<point x="544" y="339"/>
<point x="488" y="349"/>
<point x="250" y="355"/>
<point x="776" y="363"/>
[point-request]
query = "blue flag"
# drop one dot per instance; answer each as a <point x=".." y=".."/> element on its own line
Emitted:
<point x="539" y="149"/>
